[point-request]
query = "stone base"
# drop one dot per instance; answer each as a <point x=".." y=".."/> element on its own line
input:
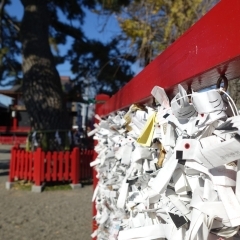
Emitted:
<point x="37" y="189"/>
<point x="76" y="186"/>
<point x="9" y="185"/>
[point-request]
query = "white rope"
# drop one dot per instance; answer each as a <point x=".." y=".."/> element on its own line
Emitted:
<point x="188" y="95"/>
<point x="221" y="90"/>
<point x="231" y="102"/>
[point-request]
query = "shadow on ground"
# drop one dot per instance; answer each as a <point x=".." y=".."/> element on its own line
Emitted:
<point x="5" y="173"/>
<point x="4" y="164"/>
<point x="5" y="150"/>
<point x="4" y="167"/>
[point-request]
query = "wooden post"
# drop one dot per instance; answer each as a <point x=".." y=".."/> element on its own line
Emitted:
<point x="100" y="100"/>
<point x="15" y="123"/>
<point x="75" y="166"/>
<point x="60" y="168"/>
<point x="37" y="166"/>
<point x="14" y="115"/>
<point x="55" y="165"/>
<point x="12" y="168"/>
<point x="67" y="161"/>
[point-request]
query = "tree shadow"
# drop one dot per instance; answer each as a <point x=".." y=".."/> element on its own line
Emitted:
<point x="4" y="165"/>
<point x="5" y="150"/>
<point x="4" y="168"/>
<point x="5" y="173"/>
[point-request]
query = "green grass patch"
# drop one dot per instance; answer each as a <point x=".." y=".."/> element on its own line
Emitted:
<point x="55" y="186"/>
<point x="22" y="185"/>
<point x="49" y="186"/>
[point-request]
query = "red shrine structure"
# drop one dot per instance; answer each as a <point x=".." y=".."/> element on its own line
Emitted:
<point x="14" y="119"/>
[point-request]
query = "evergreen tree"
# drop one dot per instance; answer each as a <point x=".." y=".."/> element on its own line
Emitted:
<point x="150" y="26"/>
<point x="40" y="29"/>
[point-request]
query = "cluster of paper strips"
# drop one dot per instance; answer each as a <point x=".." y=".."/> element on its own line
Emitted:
<point x="169" y="171"/>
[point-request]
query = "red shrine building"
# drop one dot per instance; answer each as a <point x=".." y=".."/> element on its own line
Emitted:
<point x="14" y="119"/>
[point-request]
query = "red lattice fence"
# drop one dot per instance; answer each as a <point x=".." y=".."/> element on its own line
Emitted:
<point x="41" y="167"/>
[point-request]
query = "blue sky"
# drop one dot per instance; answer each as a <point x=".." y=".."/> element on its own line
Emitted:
<point x="92" y="29"/>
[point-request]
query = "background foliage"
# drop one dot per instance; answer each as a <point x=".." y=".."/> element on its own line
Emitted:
<point x="148" y="27"/>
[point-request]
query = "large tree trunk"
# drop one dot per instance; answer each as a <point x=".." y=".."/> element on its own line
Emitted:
<point x="42" y="90"/>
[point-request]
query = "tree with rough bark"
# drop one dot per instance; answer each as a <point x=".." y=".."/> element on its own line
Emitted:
<point x="148" y="27"/>
<point x="42" y="90"/>
<point x="39" y="32"/>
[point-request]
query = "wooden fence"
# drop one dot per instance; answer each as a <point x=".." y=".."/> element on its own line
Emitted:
<point x="40" y="166"/>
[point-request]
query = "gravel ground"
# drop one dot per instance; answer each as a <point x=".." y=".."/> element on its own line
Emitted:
<point x="58" y="215"/>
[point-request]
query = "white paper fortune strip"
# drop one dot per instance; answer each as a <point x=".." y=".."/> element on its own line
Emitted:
<point x="169" y="171"/>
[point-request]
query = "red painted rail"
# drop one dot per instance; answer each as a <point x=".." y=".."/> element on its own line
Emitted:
<point x="40" y="166"/>
<point x="12" y="140"/>
<point x="11" y="129"/>
<point x="210" y="48"/>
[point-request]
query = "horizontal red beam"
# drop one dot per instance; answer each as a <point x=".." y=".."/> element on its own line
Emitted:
<point x="210" y="48"/>
<point x="13" y="140"/>
<point x="6" y="129"/>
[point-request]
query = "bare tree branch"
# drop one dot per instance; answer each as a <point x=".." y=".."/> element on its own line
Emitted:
<point x="2" y="4"/>
<point x="11" y="22"/>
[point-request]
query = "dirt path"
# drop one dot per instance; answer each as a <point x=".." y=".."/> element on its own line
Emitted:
<point x="58" y="215"/>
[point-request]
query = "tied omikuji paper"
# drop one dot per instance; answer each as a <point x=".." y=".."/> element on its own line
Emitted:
<point x="169" y="171"/>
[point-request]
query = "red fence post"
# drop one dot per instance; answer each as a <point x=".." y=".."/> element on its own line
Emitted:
<point x="31" y="166"/>
<point x="75" y="166"/>
<point x="43" y="166"/>
<point x="55" y="165"/>
<point x="37" y="166"/>
<point x="22" y="163"/>
<point x="100" y="99"/>
<point x="82" y="169"/>
<point x="48" y="166"/>
<point x="12" y="165"/>
<point x="11" y="175"/>
<point x="26" y="165"/>
<point x="60" y="169"/>
<point x="66" y="169"/>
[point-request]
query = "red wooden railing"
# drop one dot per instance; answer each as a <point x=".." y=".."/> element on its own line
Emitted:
<point x="17" y="129"/>
<point x="208" y="50"/>
<point x="12" y="140"/>
<point x="86" y="156"/>
<point x="100" y="100"/>
<point x="40" y="166"/>
<point x="13" y="135"/>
